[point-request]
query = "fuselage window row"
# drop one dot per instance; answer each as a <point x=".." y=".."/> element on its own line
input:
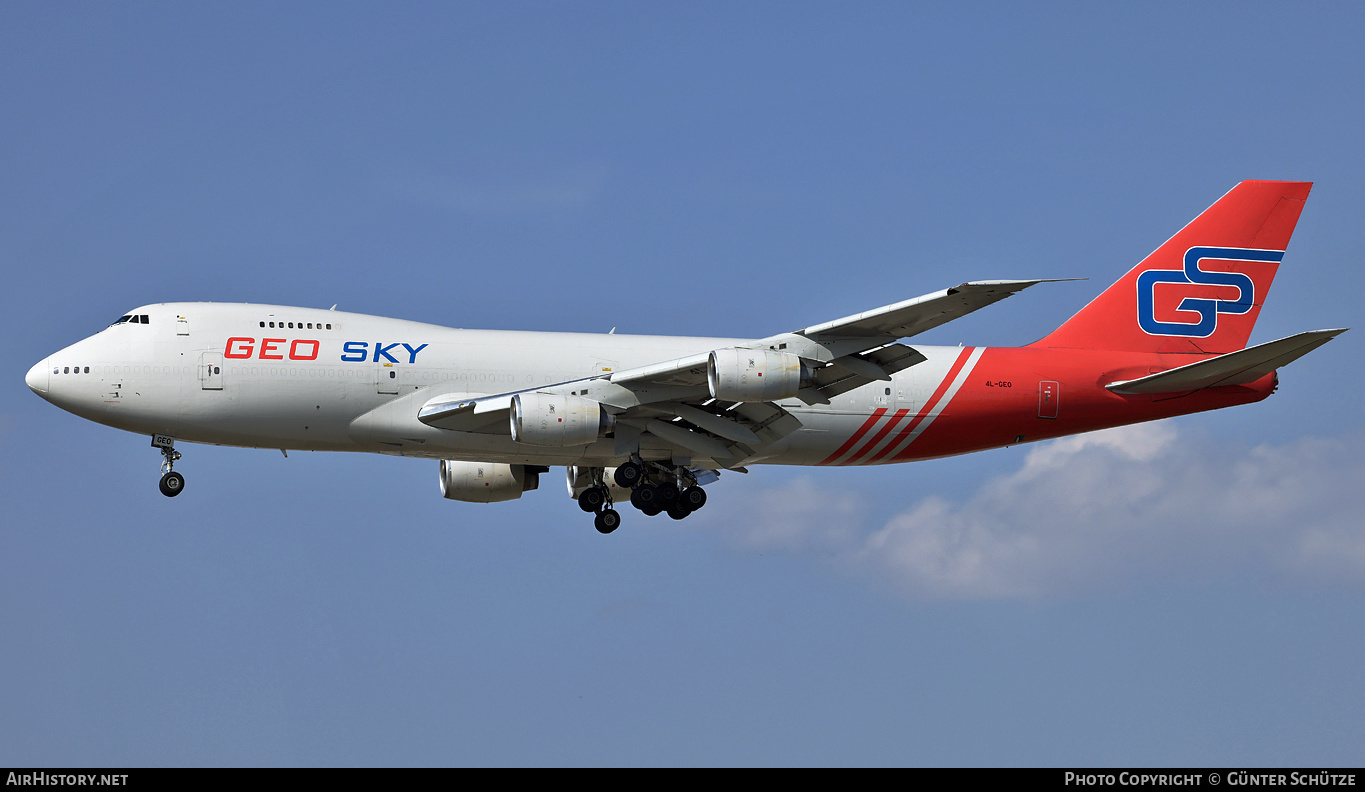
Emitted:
<point x="426" y="376"/>
<point x="301" y="325"/>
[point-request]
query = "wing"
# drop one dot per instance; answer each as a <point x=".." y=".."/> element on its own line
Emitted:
<point x="912" y="317"/>
<point x="670" y="401"/>
<point x="847" y="342"/>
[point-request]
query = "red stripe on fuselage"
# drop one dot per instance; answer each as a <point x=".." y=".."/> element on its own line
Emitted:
<point x="852" y="441"/>
<point x="929" y="406"/>
<point x="876" y="438"/>
<point x="998" y="401"/>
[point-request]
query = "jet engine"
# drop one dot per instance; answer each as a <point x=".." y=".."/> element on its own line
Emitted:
<point x="580" y="478"/>
<point x="487" y="482"/>
<point x="755" y="375"/>
<point x="546" y="419"/>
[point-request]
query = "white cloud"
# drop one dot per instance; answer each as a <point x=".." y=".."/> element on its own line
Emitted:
<point x="1099" y="510"/>
<point x="800" y="516"/>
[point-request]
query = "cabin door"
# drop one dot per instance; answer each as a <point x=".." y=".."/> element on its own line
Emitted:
<point x="1048" y="395"/>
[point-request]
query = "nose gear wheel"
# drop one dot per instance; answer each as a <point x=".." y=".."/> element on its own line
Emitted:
<point x="172" y="483"/>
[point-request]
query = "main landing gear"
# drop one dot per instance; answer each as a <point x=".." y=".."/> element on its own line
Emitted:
<point x="597" y="498"/>
<point x="672" y="490"/>
<point x="654" y="489"/>
<point x="172" y="483"/>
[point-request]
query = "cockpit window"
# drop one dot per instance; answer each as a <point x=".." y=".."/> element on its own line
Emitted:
<point x="122" y="319"/>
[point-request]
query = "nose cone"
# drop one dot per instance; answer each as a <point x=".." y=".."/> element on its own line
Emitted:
<point x="36" y="379"/>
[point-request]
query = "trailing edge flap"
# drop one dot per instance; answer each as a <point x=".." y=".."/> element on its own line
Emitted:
<point x="842" y="376"/>
<point x="1234" y="368"/>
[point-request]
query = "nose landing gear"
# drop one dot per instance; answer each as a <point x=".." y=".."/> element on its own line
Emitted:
<point x="172" y="483"/>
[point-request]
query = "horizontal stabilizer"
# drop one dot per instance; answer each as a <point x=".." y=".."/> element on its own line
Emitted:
<point x="1234" y="368"/>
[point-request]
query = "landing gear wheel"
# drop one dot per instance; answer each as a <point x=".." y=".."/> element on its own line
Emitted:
<point x="607" y="520"/>
<point x="668" y="495"/>
<point x="693" y="498"/>
<point x="172" y="484"/>
<point x="678" y="511"/>
<point x="628" y="475"/>
<point x="592" y="499"/>
<point x="646" y="497"/>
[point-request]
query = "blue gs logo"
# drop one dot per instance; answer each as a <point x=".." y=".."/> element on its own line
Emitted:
<point x="1208" y="310"/>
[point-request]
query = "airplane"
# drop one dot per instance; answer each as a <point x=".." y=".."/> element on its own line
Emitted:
<point x="652" y="419"/>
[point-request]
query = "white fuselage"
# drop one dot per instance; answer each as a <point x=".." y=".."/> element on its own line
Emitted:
<point x="302" y="378"/>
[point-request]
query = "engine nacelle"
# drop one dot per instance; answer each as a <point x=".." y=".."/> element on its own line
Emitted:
<point x="755" y="375"/>
<point x="547" y="419"/>
<point x="486" y="482"/>
<point x="580" y="478"/>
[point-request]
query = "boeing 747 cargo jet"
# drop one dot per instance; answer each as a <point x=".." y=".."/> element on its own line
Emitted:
<point x="653" y="418"/>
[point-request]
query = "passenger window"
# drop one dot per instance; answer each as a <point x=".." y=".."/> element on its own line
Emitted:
<point x="66" y="370"/>
<point x="310" y="325"/>
<point x="329" y="327"/>
<point x="291" y="325"/>
<point x="87" y="369"/>
<point x="272" y="324"/>
<point x="217" y="370"/>
<point x="262" y="324"/>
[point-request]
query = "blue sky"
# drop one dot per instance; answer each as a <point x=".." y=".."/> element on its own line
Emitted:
<point x="1182" y="593"/>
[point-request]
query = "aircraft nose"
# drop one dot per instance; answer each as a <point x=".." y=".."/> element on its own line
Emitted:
<point x="36" y="378"/>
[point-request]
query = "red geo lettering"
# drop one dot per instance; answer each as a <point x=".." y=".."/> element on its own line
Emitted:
<point x="294" y="353"/>
<point x="238" y="347"/>
<point x="271" y="345"/>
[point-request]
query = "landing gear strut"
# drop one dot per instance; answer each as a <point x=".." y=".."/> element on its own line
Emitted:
<point x="172" y="483"/>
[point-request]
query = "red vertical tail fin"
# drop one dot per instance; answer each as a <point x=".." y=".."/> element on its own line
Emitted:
<point x="1203" y="289"/>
